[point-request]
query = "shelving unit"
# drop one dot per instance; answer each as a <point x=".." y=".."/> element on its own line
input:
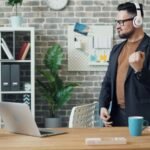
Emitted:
<point x="17" y="77"/>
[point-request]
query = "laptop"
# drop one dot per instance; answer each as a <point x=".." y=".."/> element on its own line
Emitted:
<point x="17" y="118"/>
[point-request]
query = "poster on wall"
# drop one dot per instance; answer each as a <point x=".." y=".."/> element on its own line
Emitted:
<point x="89" y="47"/>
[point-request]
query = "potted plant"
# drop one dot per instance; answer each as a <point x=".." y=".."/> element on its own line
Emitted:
<point x="54" y="90"/>
<point x="15" y="20"/>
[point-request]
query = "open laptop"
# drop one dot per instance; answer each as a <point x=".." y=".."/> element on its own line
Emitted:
<point x="17" y="118"/>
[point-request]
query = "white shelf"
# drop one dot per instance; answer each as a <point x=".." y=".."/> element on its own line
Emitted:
<point x="12" y="29"/>
<point x="16" y="61"/>
<point x="14" y="38"/>
<point x="15" y="92"/>
<point x="98" y="63"/>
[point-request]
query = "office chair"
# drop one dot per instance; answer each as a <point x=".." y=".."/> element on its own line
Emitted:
<point x="83" y="116"/>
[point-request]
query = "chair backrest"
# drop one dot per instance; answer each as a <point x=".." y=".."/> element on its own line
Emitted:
<point x="83" y="116"/>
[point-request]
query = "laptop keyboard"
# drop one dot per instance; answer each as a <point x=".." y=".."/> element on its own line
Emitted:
<point x="46" y="132"/>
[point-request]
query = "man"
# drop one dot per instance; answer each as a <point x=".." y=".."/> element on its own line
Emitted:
<point x="127" y="80"/>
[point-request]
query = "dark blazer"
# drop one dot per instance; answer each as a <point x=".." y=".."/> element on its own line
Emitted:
<point x="137" y="86"/>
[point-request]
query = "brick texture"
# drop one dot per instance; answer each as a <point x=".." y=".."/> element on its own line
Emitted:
<point x="51" y="27"/>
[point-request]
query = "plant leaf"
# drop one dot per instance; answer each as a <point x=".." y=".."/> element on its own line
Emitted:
<point x="64" y="94"/>
<point x="53" y="58"/>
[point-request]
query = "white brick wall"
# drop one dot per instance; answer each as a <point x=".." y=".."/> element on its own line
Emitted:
<point x="51" y="26"/>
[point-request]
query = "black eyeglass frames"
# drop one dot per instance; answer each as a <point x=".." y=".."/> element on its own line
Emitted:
<point x="121" y="22"/>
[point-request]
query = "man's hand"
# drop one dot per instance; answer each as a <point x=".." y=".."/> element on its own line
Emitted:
<point x="104" y="115"/>
<point x="136" y="60"/>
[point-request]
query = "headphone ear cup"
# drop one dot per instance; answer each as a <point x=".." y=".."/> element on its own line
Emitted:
<point x="137" y="21"/>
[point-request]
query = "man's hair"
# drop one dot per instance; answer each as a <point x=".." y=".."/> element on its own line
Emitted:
<point x="130" y="8"/>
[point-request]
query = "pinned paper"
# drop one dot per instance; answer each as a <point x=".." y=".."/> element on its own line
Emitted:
<point x="81" y="28"/>
<point x="102" y="42"/>
<point x="77" y="43"/>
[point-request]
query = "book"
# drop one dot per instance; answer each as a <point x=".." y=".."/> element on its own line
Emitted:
<point x="26" y="51"/>
<point x="6" y="49"/>
<point x="23" y="51"/>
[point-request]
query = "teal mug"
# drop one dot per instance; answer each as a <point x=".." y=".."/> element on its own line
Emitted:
<point x="136" y="125"/>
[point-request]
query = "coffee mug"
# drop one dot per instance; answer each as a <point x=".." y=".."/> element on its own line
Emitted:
<point x="136" y="124"/>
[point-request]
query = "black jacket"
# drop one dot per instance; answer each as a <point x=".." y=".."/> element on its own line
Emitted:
<point x="137" y="86"/>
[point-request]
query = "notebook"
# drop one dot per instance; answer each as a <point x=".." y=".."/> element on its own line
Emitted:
<point x="17" y="118"/>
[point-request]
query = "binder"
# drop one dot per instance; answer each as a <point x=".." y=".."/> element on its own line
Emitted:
<point x="15" y="77"/>
<point x="5" y="76"/>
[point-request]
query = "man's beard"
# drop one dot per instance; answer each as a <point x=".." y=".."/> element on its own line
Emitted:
<point x="126" y="35"/>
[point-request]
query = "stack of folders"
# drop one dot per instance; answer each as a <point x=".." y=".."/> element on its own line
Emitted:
<point x="23" y="51"/>
<point x="6" y="49"/>
<point x="10" y="77"/>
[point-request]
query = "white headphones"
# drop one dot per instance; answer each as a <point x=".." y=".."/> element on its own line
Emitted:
<point x="138" y="20"/>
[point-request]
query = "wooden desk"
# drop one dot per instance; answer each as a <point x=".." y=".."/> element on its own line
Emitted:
<point x="73" y="140"/>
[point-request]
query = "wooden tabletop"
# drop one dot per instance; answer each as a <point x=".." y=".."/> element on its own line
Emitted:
<point x="74" y="140"/>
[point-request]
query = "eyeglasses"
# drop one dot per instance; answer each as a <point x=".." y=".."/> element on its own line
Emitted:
<point x="121" y="22"/>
